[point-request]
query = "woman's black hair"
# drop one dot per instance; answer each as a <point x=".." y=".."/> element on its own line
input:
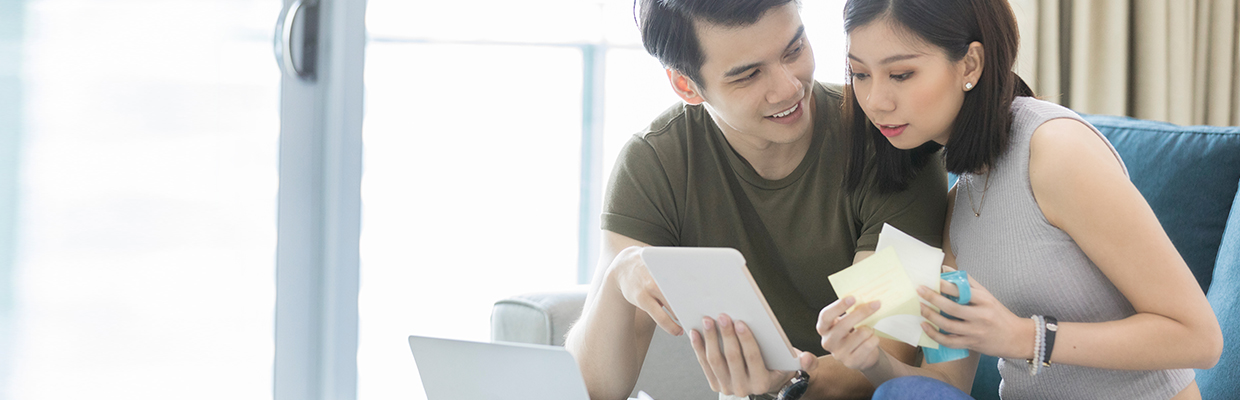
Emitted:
<point x="981" y="129"/>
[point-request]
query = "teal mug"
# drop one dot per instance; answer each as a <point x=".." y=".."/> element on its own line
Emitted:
<point x="944" y="353"/>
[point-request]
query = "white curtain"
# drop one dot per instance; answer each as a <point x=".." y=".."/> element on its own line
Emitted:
<point x="1167" y="60"/>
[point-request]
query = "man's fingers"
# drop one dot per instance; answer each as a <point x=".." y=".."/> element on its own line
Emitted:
<point x="749" y="348"/>
<point x="658" y="295"/>
<point x="754" y="364"/>
<point x="809" y="361"/>
<point x="699" y="349"/>
<point x="732" y="354"/>
<point x="759" y="375"/>
<point x="714" y="357"/>
<point x="660" y="315"/>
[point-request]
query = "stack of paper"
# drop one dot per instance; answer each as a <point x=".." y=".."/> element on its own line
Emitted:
<point x="892" y="275"/>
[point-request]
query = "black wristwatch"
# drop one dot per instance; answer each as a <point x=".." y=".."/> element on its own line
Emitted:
<point x="795" y="388"/>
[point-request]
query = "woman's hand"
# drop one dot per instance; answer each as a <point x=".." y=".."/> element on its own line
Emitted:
<point x="730" y="358"/>
<point x="855" y="348"/>
<point x="986" y="325"/>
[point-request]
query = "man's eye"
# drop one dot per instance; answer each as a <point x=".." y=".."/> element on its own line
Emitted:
<point x="748" y="77"/>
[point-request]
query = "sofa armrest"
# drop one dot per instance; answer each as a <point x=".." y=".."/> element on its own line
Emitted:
<point x="537" y="318"/>
<point x="670" y="371"/>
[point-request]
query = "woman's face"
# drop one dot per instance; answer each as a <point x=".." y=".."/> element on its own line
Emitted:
<point x="906" y="86"/>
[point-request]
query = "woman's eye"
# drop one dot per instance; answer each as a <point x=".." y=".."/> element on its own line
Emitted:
<point x="901" y="77"/>
<point x="860" y="75"/>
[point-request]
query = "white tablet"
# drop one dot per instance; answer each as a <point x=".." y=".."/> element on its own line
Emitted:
<point x="708" y="281"/>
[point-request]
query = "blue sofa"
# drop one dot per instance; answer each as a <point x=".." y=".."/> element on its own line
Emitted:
<point x="1190" y="175"/>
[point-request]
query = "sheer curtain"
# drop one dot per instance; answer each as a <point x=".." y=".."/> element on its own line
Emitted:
<point x="1168" y="60"/>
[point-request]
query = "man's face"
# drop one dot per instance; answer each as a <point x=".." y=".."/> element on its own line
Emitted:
<point x="757" y="80"/>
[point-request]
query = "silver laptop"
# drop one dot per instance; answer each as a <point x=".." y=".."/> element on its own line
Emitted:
<point x="462" y="370"/>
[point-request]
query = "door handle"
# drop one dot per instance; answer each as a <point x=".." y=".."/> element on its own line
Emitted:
<point x="306" y="9"/>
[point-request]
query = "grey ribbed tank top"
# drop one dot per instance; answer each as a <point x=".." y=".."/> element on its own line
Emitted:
<point x="1032" y="267"/>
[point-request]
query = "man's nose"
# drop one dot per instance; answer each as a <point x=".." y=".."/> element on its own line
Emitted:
<point x="786" y="87"/>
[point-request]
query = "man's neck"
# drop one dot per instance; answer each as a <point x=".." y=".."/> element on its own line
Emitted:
<point x="771" y="160"/>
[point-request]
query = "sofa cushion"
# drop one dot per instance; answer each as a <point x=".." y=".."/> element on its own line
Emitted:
<point x="1223" y="381"/>
<point x="1189" y="176"/>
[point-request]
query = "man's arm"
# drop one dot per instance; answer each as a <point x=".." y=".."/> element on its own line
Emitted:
<point x="833" y="380"/>
<point x="612" y="336"/>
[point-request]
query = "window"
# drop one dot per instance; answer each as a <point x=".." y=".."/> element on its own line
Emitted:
<point x="143" y="193"/>
<point x="491" y="127"/>
<point x="139" y="170"/>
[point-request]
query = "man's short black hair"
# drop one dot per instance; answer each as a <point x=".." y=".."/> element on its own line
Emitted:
<point x="669" y="35"/>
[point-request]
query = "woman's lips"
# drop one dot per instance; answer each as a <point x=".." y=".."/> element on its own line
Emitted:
<point x="891" y="131"/>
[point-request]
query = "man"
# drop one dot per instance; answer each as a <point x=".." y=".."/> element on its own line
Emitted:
<point x="754" y="160"/>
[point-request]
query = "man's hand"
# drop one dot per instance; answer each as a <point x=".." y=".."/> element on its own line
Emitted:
<point x="730" y="358"/>
<point x="638" y="287"/>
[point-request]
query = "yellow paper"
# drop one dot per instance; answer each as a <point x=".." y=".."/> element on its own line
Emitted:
<point x="882" y="277"/>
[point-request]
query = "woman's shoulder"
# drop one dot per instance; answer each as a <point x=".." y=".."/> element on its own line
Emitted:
<point x="1029" y="113"/>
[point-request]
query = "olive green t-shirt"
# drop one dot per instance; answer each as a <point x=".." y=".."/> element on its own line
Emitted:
<point x="670" y="188"/>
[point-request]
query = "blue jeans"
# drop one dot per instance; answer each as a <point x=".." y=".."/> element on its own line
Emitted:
<point x="919" y="388"/>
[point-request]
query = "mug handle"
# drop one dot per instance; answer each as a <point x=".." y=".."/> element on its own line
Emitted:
<point x="961" y="280"/>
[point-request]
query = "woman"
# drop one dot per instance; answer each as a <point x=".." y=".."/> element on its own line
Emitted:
<point x="1077" y="289"/>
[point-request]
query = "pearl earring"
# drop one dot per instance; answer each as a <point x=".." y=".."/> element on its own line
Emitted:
<point x="968" y="86"/>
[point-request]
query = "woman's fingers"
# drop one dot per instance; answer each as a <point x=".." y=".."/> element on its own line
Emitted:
<point x="942" y="322"/>
<point x="866" y="353"/>
<point x="949" y="340"/>
<point x="843" y="326"/>
<point x="850" y="350"/>
<point x="829" y="314"/>
<point x="948" y="288"/>
<point x="941" y="302"/>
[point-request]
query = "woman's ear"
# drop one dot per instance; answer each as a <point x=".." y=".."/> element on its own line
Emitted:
<point x="972" y="64"/>
<point x="684" y="87"/>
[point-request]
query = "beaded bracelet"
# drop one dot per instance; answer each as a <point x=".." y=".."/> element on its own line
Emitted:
<point x="1039" y="345"/>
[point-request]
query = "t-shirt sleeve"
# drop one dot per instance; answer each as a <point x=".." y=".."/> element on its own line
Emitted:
<point x="919" y="210"/>
<point x="639" y="202"/>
